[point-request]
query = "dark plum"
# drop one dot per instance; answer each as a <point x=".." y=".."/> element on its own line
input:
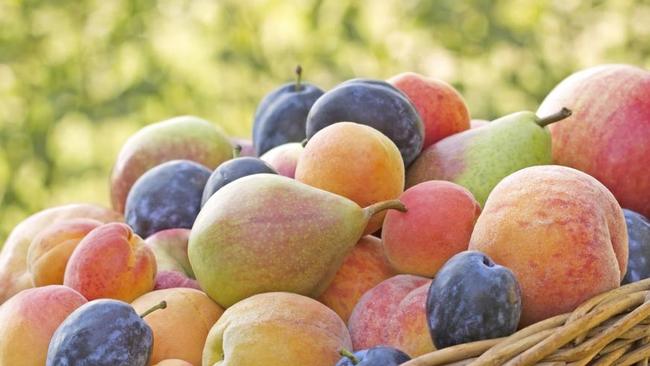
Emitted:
<point x="471" y="299"/>
<point x="638" y="232"/>
<point x="281" y="116"/>
<point x="232" y="170"/>
<point x="102" y="332"/>
<point x="375" y="356"/>
<point x="374" y="103"/>
<point x="168" y="196"/>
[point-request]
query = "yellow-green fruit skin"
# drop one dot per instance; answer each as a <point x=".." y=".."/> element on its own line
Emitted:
<point x="276" y="329"/>
<point x="266" y="233"/>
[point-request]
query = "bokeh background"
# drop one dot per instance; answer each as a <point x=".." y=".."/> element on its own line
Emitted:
<point x="77" y="77"/>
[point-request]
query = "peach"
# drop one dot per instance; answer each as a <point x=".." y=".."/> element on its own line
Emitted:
<point x="284" y="158"/>
<point x="29" y="320"/>
<point x="437" y="225"/>
<point x="173" y="362"/>
<point x="172" y="279"/>
<point x="246" y="146"/>
<point x="476" y="123"/>
<point x="184" y="137"/>
<point x="607" y="135"/>
<point x="562" y="234"/>
<point x="13" y="258"/>
<point x="393" y="313"/>
<point x="172" y="262"/>
<point x="363" y="268"/>
<point x="276" y="329"/>
<point x="354" y="161"/>
<point x="111" y="262"/>
<point x="181" y="328"/>
<point x="441" y="107"/>
<point x="408" y="326"/>
<point x="49" y="252"/>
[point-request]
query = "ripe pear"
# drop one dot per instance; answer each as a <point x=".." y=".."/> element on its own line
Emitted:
<point x="267" y="232"/>
<point x="478" y="159"/>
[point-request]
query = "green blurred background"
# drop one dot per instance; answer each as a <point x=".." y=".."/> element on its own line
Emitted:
<point x="78" y="77"/>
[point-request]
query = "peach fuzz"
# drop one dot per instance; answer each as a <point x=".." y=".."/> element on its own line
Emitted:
<point x="607" y="135"/>
<point x="49" y="252"/>
<point x="111" y="262"/>
<point x="29" y="320"/>
<point x="408" y="326"/>
<point x="173" y="362"/>
<point x="13" y="257"/>
<point x="276" y="329"/>
<point x="437" y="225"/>
<point x="179" y="330"/>
<point x="362" y="269"/>
<point x="284" y="158"/>
<point x="170" y="248"/>
<point x="354" y="161"/>
<point x="393" y="313"/>
<point x="173" y="279"/>
<point x="441" y="107"/>
<point x="560" y="231"/>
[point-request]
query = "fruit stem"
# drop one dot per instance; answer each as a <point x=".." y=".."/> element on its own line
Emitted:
<point x="298" y="77"/>
<point x="161" y="305"/>
<point x="384" y="205"/>
<point x="345" y="353"/>
<point x="304" y="142"/>
<point x="555" y="117"/>
<point x="236" y="150"/>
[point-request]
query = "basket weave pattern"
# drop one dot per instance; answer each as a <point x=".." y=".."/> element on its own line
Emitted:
<point x="610" y="329"/>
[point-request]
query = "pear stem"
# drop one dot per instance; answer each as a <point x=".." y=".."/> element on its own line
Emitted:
<point x="161" y="305"/>
<point x="236" y="151"/>
<point x="345" y="353"/>
<point x="555" y="117"/>
<point x="384" y="205"/>
<point x="298" y="77"/>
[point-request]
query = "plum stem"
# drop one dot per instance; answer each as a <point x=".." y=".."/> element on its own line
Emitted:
<point x="298" y="77"/>
<point x="384" y="205"/>
<point x="345" y="353"/>
<point x="160" y="305"/>
<point x="555" y="117"/>
<point x="236" y="150"/>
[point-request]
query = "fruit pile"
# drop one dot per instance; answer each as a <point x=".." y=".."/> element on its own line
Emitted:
<point x="364" y="225"/>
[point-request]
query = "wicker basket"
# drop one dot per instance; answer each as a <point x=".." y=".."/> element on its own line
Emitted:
<point x="610" y="329"/>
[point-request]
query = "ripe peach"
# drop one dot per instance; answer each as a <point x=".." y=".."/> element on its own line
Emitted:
<point x="607" y="135"/>
<point x="441" y="107"/>
<point x="29" y="320"/>
<point x="111" y="262"/>
<point x="276" y="329"/>
<point x="363" y="268"/>
<point x="181" y="328"/>
<point x="170" y="248"/>
<point x="13" y="258"/>
<point x="284" y="158"/>
<point x="393" y="313"/>
<point x="437" y="225"/>
<point x="173" y="362"/>
<point x="354" y="161"/>
<point x="49" y="252"/>
<point x="562" y="234"/>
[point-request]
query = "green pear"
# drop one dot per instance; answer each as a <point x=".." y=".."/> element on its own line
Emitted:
<point x="479" y="158"/>
<point x="267" y="232"/>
